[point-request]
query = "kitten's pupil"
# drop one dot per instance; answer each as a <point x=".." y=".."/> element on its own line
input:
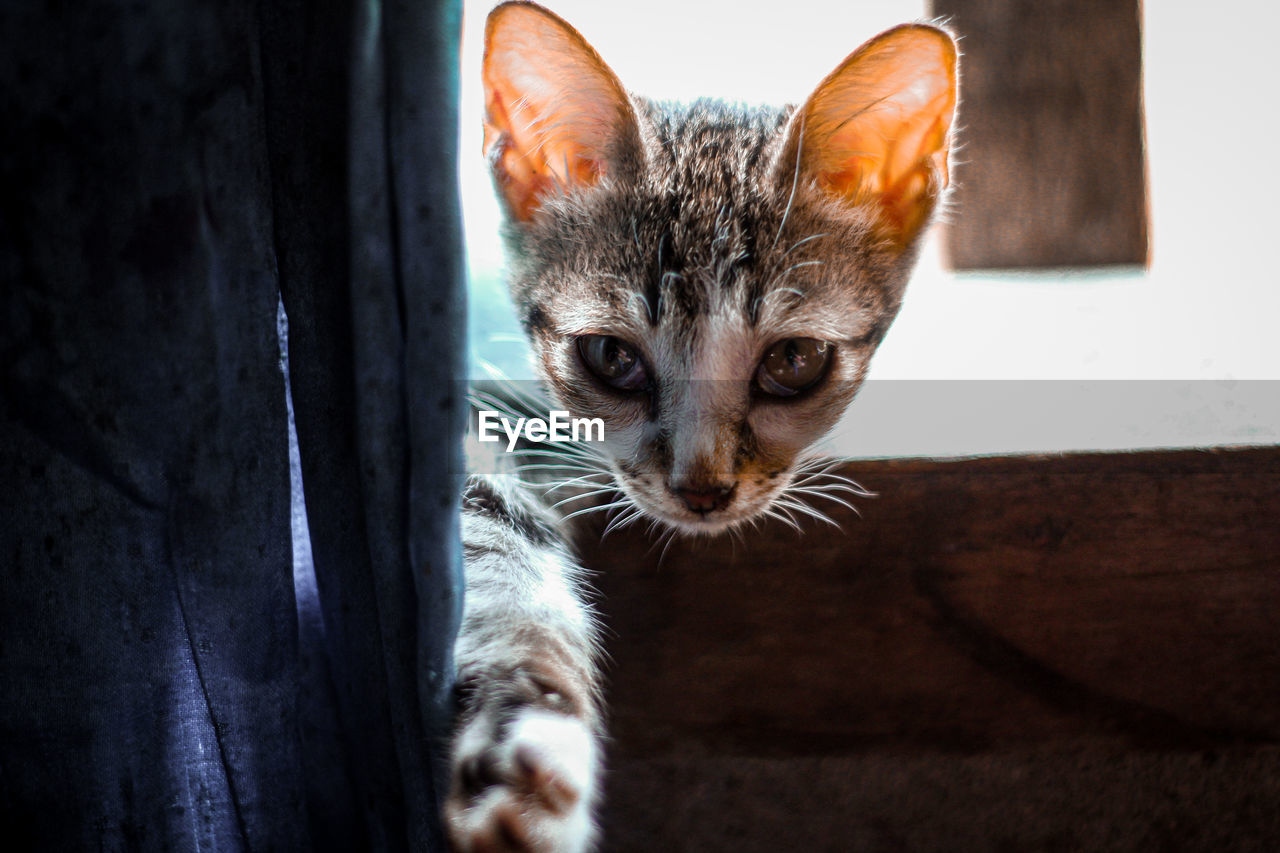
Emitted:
<point x="612" y="360"/>
<point x="793" y="365"/>
<point x="617" y="360"/>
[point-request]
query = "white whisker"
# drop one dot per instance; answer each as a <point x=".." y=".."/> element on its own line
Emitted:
<point x="591" y="472"/>
<point x="797" y="244"/>
<point x="577" y="482"/>
<point x="590" y="509"/>
<point x="776" y="511"/>
<point x="671" y="537"/>
<point x="832" y="498"/>
<point x="622" y="520"/>
<point x="795" y="182"/>
<point x="798" y="506"/>
<point x="582" y="496"/>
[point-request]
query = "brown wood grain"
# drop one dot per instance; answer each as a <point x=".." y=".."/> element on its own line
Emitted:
<point x="1112" y="610"/>
<point x="1051" y="168"/>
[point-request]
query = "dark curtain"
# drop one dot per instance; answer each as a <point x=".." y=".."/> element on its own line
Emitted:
<point x="170" y="174"/>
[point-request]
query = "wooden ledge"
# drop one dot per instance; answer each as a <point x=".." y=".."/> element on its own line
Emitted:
<point x="1105" y="607"/>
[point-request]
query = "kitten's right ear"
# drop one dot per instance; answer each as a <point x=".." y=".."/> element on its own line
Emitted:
<point x="555" y="114"/>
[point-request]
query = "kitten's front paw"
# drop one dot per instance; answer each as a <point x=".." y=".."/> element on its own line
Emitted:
<point x="527" y="788"/>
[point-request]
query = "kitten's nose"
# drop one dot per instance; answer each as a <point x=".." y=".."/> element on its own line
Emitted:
<point x="704" y="499"/>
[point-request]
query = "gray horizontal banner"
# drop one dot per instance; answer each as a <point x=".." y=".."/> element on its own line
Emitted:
<point x="942" y="418"/>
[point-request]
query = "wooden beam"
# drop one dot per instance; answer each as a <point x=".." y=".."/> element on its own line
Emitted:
<point x="1000" y="648"/>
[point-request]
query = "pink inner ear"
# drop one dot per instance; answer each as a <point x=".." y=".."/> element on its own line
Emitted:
<point x="553" y="107"/>
<point x="879" y="126"/>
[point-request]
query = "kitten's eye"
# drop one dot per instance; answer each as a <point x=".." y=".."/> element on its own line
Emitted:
<point x="614" y="361"/>
<point x="793" y="365"/>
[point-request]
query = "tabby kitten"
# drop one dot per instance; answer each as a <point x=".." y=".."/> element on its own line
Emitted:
<point x="711" y="281"/>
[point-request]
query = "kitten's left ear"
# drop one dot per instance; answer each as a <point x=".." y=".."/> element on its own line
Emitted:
<point x="878" y="129"/>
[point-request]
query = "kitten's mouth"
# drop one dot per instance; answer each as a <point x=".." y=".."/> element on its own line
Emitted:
<point x="702" y="523"/>
<point x="699" y="511"/>
<point x="703" y="502"/>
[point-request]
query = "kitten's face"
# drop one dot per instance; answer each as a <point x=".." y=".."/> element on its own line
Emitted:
<point x="654" y="303"/>
<point x="710" y="281"/>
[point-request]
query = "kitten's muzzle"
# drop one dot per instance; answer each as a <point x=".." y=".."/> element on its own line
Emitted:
<point x="703" y="500"/>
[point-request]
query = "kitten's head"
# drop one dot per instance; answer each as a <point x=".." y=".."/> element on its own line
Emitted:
<point x="710" y="280"/>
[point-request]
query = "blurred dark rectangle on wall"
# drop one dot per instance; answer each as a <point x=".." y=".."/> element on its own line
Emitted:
<point x="1051" y="168"/>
